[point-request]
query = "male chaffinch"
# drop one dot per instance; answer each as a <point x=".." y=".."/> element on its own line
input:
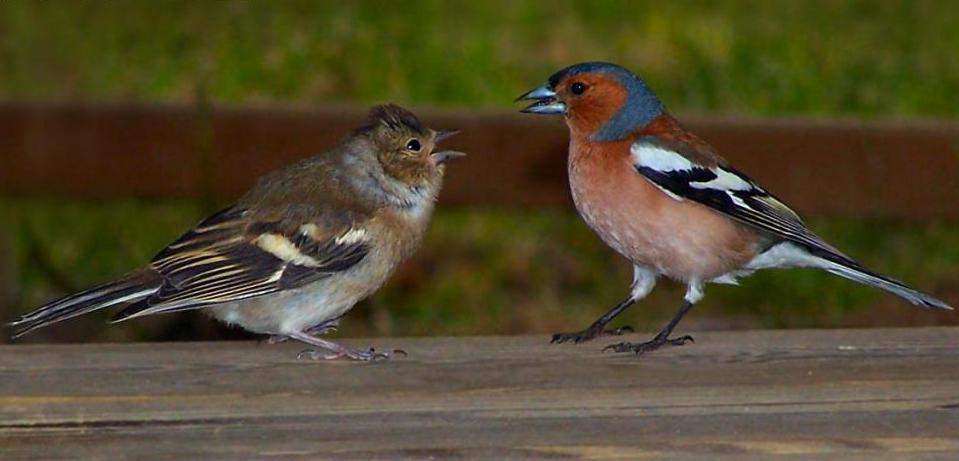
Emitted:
<point x="299" y="249"/>
<point x="663" y="198"/>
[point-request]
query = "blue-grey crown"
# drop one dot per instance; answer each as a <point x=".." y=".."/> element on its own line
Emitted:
<point x="641" y="107"/>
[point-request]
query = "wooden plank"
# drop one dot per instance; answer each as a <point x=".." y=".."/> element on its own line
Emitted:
<point x="819" y="394"/>
<point x="887" y="169"/>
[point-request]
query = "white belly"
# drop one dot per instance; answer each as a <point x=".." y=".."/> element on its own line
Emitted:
<point x="297" y="310"/>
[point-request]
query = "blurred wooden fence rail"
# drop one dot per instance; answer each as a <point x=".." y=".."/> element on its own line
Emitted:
<point x="903" y="170"/>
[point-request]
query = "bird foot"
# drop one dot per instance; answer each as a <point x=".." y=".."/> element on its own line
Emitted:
<point x="329" y="326"/>
<point x="589" y="334"/>
<point x="370" y="355"/>
<point x="649" y="346"/>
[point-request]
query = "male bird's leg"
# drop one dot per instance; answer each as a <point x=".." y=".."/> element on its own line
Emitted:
<point x="661" y="339"/>
<point x="335" y="351"/>
<point x="598" y="328"/>
<point x="643" y="282"/>
<point x="693" y="294"/>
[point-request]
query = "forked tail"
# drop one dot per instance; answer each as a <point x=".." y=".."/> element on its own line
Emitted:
<point x="843" y="266"/>
<point x="127" y="289"/>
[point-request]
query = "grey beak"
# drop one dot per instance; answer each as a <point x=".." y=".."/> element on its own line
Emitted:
<point x="546" y="102"/>
<point x="440" y="158"/>
<point x="441" y="136"/>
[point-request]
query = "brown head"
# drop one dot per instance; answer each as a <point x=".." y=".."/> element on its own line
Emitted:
<point x="602" y="102"/>
<point x="405" y="148"/>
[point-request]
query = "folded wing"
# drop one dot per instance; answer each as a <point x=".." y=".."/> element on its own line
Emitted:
<point x="233" y="256"/>
<point x="719" y="187"/>
<point x="732" y="193"/>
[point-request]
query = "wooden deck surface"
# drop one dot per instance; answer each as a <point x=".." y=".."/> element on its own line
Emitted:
<point x="823" y="394"/>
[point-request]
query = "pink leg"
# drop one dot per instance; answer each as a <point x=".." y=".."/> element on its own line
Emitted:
<point x="335" y="351"/>
<point x="328" y="326"/>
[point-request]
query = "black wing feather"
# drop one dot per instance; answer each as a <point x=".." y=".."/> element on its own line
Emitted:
<point x="734" y="194"/>
<point x="751" y="205"/>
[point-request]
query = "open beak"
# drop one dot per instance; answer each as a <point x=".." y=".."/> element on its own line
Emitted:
<point x="546" y="101"/>
<point x="440" y="158"/>
<point x="441" y="136"/>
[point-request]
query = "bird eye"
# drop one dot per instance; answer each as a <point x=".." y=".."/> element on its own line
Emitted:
<point x="577" y="88"/>
<point x="413" y="145"/>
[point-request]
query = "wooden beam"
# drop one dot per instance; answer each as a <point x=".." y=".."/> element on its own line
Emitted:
<point x="886" y="169"/>
<point x="745" y="395"/>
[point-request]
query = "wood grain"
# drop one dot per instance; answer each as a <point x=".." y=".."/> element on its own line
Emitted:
<point x="882" y="169"/>
<point x="819" y="394"/>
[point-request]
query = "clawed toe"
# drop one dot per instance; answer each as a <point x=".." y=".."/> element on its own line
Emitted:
<point x="328" y="350"/>
<point x="681" y="340"/>
<point x="618" y="347"/>
<point x="372" y="355"/>
<point x="588" y="335"/>
<point x="560" y="338"/>
<point x="648" y="346"/>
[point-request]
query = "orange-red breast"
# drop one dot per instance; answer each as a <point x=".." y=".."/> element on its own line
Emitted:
<point x="664" y="199"/>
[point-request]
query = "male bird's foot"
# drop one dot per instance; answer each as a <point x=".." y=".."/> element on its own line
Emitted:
<point x="588" y="334"/>
<point x="649" y="346"/>
<point x="370" y="355"/>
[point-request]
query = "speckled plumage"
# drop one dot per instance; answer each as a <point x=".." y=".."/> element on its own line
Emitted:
<point x="298" y="250"/>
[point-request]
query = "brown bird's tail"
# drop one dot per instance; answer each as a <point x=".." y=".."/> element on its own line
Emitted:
<point x="133" y="287"/>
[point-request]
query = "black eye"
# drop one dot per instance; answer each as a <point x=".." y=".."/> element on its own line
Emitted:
<point x="577" y="88"/>
<point x="413" y="145"/>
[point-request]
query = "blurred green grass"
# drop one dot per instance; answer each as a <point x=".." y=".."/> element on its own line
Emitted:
<point x="859" y="57"/>
<point x="489" y="271"/>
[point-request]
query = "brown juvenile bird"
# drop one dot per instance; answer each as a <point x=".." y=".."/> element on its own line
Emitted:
<point x="298" y="250"/>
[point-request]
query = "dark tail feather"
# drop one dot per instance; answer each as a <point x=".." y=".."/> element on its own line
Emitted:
<point x="844" y="267"/>
<point x="130" y="288"/>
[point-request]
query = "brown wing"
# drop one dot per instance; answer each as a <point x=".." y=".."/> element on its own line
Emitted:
<point x="234" y="255"/>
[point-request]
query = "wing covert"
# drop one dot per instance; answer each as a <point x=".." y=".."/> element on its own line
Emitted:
<point x="725" y="190"/>
<point x="233" y="256"/>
